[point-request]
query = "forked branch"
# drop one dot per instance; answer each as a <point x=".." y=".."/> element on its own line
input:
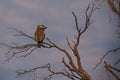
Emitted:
<point x="13" y="51"/>
<point x="107" y="53"/>
<point x="52" y="72"/>
<point x="111" y="69"/>
<point x="21" y="33"/>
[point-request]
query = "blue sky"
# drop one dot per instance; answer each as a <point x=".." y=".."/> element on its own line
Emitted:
<point x="57" y="15"/>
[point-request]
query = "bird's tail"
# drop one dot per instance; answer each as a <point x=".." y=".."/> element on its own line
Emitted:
<point x="39" y="44"/>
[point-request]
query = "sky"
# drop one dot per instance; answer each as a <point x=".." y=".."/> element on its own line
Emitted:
<point x="57" y="16"/>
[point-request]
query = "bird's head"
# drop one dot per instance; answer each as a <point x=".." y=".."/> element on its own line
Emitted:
<point x="42" y="27"/>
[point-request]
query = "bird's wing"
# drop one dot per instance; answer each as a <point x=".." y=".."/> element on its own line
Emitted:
<point x="41" y="37"/>
<point x="36" y="37"/>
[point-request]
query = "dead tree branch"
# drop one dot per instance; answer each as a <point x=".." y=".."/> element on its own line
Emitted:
<point x="110" y="68"/>
<point x="113" y="7"/>
<point x="88" y="14"/>
<point x="21" y="73"/>
<point x="78" y="69"/>
<point x="12" y="51"/>
<point x="108" y="52"/>
<point x="21" y="33"/>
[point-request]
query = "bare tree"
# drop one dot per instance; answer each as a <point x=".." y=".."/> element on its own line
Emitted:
<point x="72" y="71"/>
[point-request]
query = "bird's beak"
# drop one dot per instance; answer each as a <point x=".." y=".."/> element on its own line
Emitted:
<point x="45" y="27"/>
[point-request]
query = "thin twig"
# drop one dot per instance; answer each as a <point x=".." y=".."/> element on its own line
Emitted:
<point x="15" y="50"/>
<point x="108" y="52"/>
<point x="21" y="33"/>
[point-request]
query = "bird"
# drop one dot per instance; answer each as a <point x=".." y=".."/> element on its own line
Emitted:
<point x="39" y="34"/>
